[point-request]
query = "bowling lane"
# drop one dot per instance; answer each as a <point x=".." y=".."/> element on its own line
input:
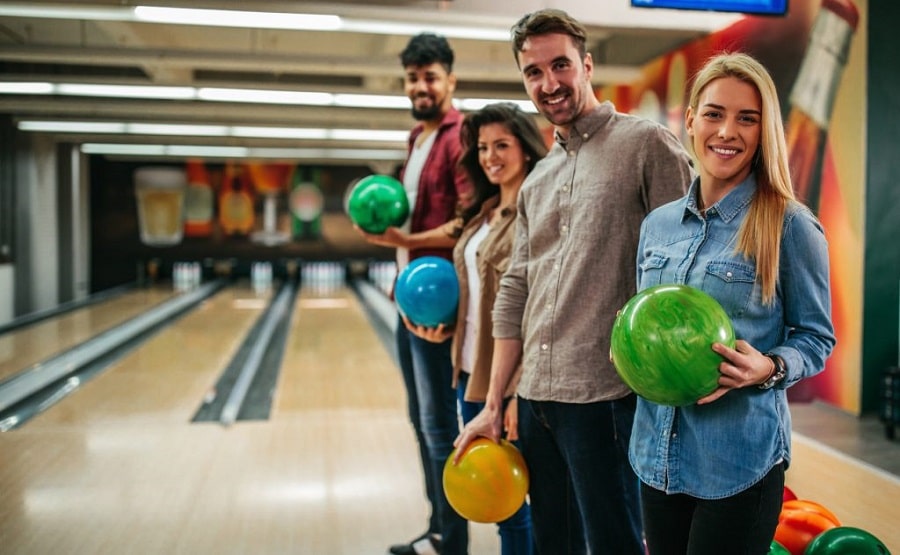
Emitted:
<point x="166" y="378"/>
<point x="354" y="446"/>
<point x="22" y="348"/>
<point x="333" y="472"/>
<point x="333" y="360"/>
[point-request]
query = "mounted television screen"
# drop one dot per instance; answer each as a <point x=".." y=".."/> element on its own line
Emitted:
<point x="756" y="7"/>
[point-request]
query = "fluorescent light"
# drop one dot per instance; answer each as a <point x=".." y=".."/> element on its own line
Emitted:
<point x="137" y="128"/>
<point x="207" y="151"/>
<point x="126" y="91"/>
<point x="249" y="19"/>
<point x="372" y="101"/>
<point x="202" y="151"/>
<point x="73" y="126"/>
<point x="369" y="135"/>
<point x="145" y="150"/>
<point x="473" y="104"/>
<point x="266" y="96"/>
<point x="259" y="96"/>
<point x="24" y="87"/>
<point x="238" y="18"/>
<point x="96" y="13"/>
<point x="279" y="132"/>
<point x="176" y="129"/>
<point x="449" y="31"/>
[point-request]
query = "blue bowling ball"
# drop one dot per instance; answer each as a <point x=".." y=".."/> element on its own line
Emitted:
<point x="427" y="291"/>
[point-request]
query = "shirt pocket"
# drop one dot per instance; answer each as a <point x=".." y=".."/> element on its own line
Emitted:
<point x="731" y="283"/>
<point x="652" y="270"/>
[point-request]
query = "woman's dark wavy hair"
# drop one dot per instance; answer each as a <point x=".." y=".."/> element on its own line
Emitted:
<point x="520" y="124"/>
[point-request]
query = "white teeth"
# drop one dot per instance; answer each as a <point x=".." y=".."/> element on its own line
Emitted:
<point x="725" y="151"/>
<point x="555" y="100"/>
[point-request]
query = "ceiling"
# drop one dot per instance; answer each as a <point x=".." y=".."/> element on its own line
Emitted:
<point x="46" y="42"/>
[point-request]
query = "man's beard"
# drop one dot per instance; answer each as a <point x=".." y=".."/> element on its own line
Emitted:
<point x="428" y="114"/>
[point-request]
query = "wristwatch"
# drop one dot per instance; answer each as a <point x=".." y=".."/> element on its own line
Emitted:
<point x="778" y="375"/>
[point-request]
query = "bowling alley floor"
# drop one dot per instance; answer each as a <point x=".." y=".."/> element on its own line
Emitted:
<point x="862" y="438"/>
<point x="118" y="467"/>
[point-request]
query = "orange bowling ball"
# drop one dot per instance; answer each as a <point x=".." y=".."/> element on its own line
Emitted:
<point x="490" y="482"/>
<point x="800" y="521"/>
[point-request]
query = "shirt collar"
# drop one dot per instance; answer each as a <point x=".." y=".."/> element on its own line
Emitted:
<point x="728" y="207"/>
<point x="585" y="126"/>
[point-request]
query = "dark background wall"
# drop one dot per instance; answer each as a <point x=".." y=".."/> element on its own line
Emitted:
<point x="118" y="255"/>
<point x="881" y="291"/>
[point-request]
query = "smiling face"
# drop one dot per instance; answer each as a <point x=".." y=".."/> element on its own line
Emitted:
<point x="725" y="129"/>
<point x="430" y="88"/>
<point x="500" y="155"/>
<point x="557" y="80"/>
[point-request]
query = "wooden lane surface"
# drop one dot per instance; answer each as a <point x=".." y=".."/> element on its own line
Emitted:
<point x="24" y="347"/>
<point x="330" y="473"/>
<point x="343" y="393"/>
<point x="166" y="379"/>
<point x="860" y="495"/>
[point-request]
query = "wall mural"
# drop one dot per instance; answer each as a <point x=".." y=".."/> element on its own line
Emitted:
<point x="817" y="58"/>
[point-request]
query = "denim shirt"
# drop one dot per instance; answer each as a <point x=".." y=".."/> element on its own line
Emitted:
<point x="717" y="450"/>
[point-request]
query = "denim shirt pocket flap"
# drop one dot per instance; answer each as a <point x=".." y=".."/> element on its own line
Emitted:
<point x="731" y="272"/>
<point x="651" y="270"/>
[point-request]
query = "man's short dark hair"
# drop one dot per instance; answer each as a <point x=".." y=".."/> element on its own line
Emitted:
<point x="545" y="22"/>
<point x="425" y="49"/>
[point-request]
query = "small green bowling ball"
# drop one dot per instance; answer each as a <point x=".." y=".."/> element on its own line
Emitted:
<point x="378" y="202"/>
<point x="661" y="343"/>
<point x="778" y="549"/>
<point x="846" y="540"/>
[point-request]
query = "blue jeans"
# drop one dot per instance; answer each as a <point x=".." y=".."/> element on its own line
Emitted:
<point x="584" y="494"/>
<point x="515" y="532"/>
<point x="428" y="375"/>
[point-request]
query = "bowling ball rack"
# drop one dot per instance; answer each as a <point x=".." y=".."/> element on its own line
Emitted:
<point x="890" y="401"/>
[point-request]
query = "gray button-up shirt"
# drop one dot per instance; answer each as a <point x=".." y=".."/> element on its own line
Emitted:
<point x="573" y="263"/>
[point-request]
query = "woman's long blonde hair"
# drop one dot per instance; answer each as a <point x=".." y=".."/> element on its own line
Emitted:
<point x="759" y="238"/>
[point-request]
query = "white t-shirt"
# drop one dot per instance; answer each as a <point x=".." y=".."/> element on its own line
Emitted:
<point x="411" y="176"/>
<point x="469" y="254"/>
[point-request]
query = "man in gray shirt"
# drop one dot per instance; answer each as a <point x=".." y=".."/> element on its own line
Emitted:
<point x="572" y="268"/>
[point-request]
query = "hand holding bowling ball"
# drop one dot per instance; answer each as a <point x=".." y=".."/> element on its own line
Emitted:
<point x="661" y="343"/>
<point x="427" y="292"/>
<point x="490" y="482"/>
<point x="378" y="202"/>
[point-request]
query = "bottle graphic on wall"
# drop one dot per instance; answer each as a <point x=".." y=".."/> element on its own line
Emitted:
<point x="306" y="203"/>
<point x="236" y="214"/>
<point x="813" y="94"/>
<point x="198" y="201"/>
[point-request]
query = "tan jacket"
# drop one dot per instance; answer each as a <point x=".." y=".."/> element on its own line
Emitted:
<point x="492" y="259"/>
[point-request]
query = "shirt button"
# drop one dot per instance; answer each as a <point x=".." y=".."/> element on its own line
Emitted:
<point x="571" y="153"/>
<point x="585" y="136"/>
<point x="544" y="347"/>
<point x="728" y="274"/>
<point x="565" y="188"/>
<point x="564" y="229"/>
<point x="556" y="265"/>
<point x="549" y="306"/>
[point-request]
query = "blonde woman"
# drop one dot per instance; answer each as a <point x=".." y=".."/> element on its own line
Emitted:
<point x="712" y="474"/>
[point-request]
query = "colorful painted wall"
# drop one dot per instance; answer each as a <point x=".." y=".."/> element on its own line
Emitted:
<point x="833" y="183"/>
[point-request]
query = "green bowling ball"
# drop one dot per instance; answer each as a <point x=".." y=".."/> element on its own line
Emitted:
<point x="661" y="343"/>
<point x="378" y="202"/>
<point x="846" y="540"/>
<point x="778" y="549"/>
